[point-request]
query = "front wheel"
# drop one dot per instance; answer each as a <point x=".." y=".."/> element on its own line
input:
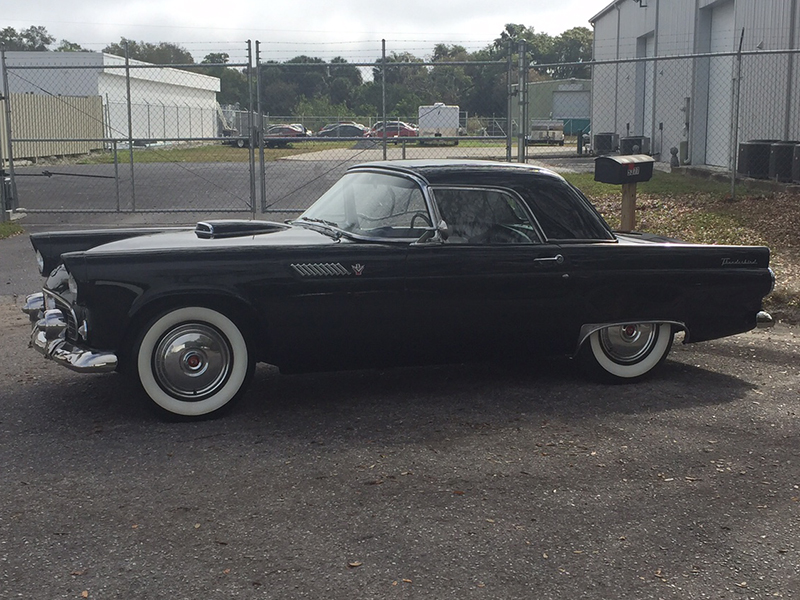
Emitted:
<point x="193" y="362"/>
<point x="627" y="352"/>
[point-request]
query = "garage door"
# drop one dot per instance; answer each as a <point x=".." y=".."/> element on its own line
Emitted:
<point x="572" y="105"/>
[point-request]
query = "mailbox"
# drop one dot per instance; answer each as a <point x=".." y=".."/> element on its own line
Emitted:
<point x="631" y="168"/>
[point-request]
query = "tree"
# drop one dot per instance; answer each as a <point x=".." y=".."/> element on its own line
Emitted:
<point x="448" y="82"/>
<point x="310" y="76"/>
<point x="488" y="94"/>
<point x="216" y="58"/>
<point x="163" y="53"/>
<point x="34" y="38"/>
<point x="539" y="45"/>
<point x="443" y="52"/>
<point x="572" y="46"/>
<point x="67" y="46"/>
<point x="341" y="69"/>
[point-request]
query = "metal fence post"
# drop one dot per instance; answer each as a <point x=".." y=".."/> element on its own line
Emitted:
<point x="735" y="94"/>
<point x="149" y="134"/>
<point x="262" y="165"/>
<point x="116" y="171"/>
<point x="130" y="125"/>
<point x="5" y="139"/>
<point x="252" y="130"/>
<point x="383" y="94"/>
<point x="521" y="128"/>
<point x="509" y="108"/>
<point x="8" y="193"/>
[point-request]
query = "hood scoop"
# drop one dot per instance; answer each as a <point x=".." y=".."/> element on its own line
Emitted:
<point x="228" y="228"/>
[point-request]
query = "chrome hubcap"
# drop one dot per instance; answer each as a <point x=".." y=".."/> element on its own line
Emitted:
<point x="628" y="343"/>
<point x="192" y="361"/>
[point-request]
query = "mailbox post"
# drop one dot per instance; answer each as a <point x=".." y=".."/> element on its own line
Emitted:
<point x="626" y="171"/>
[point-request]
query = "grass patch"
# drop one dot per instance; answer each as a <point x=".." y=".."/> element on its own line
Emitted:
<point x="9" y="228"/>
<point x="210" y="153"/>
<point x="662" y="184"/>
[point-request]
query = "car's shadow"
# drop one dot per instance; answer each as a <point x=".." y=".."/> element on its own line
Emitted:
<point x="418" y="401"/>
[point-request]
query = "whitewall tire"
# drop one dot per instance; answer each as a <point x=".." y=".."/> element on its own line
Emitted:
<point x="193" y="362"/>
<point x="628" y="352"/>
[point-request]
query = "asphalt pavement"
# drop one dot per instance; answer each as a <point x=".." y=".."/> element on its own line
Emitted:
<point x="462" y="481"/>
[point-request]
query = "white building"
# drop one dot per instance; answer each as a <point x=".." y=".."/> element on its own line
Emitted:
<point x="692" y="102"/>
<point x="165" y="103"/>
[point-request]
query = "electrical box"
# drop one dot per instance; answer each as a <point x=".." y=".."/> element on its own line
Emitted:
<point x="630" y="168"/>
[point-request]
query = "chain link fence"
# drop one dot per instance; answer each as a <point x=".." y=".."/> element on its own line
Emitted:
<point x="725" y="113"/>
<point x="95" y="133"/>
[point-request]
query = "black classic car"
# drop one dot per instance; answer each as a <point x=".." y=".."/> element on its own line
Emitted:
<point x="398" y="263"/>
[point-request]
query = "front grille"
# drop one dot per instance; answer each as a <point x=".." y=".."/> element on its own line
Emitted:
<point x="69" y="316"/>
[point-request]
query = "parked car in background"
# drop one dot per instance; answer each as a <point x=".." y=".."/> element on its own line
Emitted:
<point x="393" y="129"/>
<point x="278" y="136"/>
<point x="343" y="130"/>
<point x="406" y="262"/>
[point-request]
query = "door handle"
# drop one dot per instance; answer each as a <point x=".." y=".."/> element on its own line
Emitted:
<point x="558" y="259"/>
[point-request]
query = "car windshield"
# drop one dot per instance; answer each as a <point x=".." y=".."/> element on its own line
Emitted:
<point x="373" y="205"/>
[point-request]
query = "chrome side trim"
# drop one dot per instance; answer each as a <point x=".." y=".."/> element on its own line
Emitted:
<point x="590" y="328"/>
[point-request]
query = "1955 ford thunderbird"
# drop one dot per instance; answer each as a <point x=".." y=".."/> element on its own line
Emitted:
<point x="398" y="263"/>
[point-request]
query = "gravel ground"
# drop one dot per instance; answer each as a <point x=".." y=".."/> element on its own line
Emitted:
<point x="445" y="482"/>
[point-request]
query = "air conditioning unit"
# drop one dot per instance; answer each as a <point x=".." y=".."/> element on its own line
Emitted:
<point x="634" y="144"/>
<point x="605" y="143"/>
<point x="753" y="160"/>
<point x="780" y="161"/>
<point x="796" y="164"/>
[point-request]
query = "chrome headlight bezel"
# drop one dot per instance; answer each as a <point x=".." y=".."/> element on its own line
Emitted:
<point x="72" y="284"/>
<point x="40" y="262"/>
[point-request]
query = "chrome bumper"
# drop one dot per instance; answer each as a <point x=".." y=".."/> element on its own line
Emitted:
<point x="764" y="320"/>
<point x="48" y="338"/>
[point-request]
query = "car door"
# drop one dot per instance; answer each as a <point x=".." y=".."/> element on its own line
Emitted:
<point x="341" y="306"/>
<point x="346" y="299"/>
<point x="493" y="287"/>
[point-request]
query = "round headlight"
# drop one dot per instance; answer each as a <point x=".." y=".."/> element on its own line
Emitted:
<point x="73" y="285"/>
<point x="40" y="262"/>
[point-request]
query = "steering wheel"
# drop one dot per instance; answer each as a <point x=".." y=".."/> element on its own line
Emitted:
<point x="423" y="216"/>
<point x="501" y="234"/>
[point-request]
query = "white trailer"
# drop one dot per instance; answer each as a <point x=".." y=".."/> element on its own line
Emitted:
<point x="438" y="120"/>
<point x="546" y="131"/>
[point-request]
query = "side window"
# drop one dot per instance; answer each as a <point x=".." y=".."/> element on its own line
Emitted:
<point x="484" y="216"/>
<point x="563" y="213"/>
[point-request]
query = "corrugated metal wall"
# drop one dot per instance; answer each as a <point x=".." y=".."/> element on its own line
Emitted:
<point x="52" y="119"/>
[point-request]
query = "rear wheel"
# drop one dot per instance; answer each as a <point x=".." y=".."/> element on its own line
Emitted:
<point x="627" y="352"/>
<point x="193" y="362"/>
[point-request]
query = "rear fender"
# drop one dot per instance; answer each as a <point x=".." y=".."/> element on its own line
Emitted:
<point x="588" y="329"/>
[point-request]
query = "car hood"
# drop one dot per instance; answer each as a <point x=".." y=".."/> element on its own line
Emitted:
<point x="282" y="236"/>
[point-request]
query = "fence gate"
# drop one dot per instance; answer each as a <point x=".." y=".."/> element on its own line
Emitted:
<point x="90" y="133"/>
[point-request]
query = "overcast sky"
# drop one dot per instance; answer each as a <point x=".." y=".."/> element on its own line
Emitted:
<point x="286" y="28"/>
